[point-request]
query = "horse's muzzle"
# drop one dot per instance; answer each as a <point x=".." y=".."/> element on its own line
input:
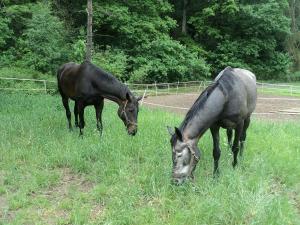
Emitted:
<point x="178" y="181"/>
<point x="132" y="131"/>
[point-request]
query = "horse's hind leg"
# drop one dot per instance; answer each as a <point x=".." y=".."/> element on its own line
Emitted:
<point x="216" y="151"/>
<point x="229" y="137"/>
<point x="81" y="106"/>
<point x="68" y="112"/>
<point x="243" y="136"/>
<point x="236" y="142"/>
<point x="76" y="114"/>
<point x="98" y="108"/>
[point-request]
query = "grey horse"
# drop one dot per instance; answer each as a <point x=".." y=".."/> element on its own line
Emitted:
<point x="227" y="103"/>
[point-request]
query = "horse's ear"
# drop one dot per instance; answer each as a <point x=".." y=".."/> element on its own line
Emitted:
<point x="170" y="130"/>
<point x="141" y="97"/>
<point x="178" y="134"/>
<point x="128" y="97"/>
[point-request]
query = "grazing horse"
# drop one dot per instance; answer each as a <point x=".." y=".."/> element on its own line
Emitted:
<point x="87" y="84"/>
<point x="227" y="103"/>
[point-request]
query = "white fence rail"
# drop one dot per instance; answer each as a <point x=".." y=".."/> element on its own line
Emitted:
<point x="25" y="84"/>
<point x="190" y="87"/>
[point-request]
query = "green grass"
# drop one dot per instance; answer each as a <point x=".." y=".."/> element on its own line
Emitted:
<point x="50" y="176"/>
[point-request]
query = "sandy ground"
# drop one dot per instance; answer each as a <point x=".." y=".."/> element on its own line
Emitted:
<point x="268" y="107"/>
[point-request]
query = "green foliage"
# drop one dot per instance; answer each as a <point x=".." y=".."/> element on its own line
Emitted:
<point x="19" y="72"/>
<point x="17" y="16"/>
<point x="245" y="35"/>
<point x="294" y="76"/>
<point x="27" y="73"/>
<point x="4" y="31"/>
<point x="153" y="55"/>
<point x="142" y="41"/>
<point x="113" y="61"/>
<point x="167" y="59"/>
<point x="43" y="43"/>
<point x="78" y="51"/>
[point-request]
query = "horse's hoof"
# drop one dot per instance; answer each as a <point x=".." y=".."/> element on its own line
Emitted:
<point x="234" y="164"/>
<point x="216" y="174"/>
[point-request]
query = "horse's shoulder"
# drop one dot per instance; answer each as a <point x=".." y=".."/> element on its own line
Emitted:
<point x="223" y="72"/>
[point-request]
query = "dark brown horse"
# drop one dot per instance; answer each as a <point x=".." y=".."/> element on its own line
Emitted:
<point x="87" y="84"/>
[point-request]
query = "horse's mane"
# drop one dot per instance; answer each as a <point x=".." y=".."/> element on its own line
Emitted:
<point x="224" y="82"/>
<point x="109" y="78"/>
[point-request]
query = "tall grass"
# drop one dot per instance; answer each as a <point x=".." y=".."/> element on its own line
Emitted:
<point x="49" y="175"/>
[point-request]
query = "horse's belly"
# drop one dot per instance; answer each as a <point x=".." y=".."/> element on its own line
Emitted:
<point x="226" y="123"/>
<point x="230" y="121"/>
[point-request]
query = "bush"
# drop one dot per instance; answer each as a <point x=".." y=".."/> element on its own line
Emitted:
<point x="167" y="60"/>
<point x="43" y="44"/>
<point x="294" y="76"/>
<point x="113" y="61"/>
<point x="18" y="72"/>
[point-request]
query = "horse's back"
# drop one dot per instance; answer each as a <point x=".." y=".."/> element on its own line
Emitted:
<point x="249" y="84"/>
<point x="240" y="88"/>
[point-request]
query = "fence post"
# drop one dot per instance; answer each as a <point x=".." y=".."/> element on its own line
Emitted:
<point x="142" y="101"/>
<point x="45" y="86"/>
<point x="177" y="88"/>
<point x="200" y="85"/>
<point x="168" y="88"/>
<point x="155" y="89"/>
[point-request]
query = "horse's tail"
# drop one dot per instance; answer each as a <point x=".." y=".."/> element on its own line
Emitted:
<point x="58" y="75"/>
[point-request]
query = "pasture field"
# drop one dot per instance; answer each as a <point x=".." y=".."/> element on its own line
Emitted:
<point x="49" y="175"/>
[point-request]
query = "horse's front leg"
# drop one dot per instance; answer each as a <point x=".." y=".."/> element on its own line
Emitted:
<point x="216" y="151"/>
<point x="76" y="114"/>
<point x="81" y="106"/>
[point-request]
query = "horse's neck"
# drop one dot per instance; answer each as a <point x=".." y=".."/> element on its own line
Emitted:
<point x="114" y="90"/>
<point x="204" y="117"/>
<point x="117" y="96"/>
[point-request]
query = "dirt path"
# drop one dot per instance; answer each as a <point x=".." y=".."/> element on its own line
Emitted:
<point x="268" y="107"/>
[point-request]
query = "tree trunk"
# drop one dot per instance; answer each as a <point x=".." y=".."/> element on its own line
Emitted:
<point x="183" y="28"/>
<point x="292" y="15"/>
<point x="89" y="37"/>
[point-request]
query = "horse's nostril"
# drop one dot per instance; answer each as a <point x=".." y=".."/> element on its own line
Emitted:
<point x="176" y="181"/>
<point x="133" y="132"/>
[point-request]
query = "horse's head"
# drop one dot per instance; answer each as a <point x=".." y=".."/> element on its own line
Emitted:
<point x="185" y="157"/>
<point x="128" y="112"/>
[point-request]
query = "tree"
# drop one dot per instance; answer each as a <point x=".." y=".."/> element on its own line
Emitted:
<point x="89" y="41"/>
<point x="293" y="41"/>
<point x="43" y="45"/>
<point x="248" y="34"/>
